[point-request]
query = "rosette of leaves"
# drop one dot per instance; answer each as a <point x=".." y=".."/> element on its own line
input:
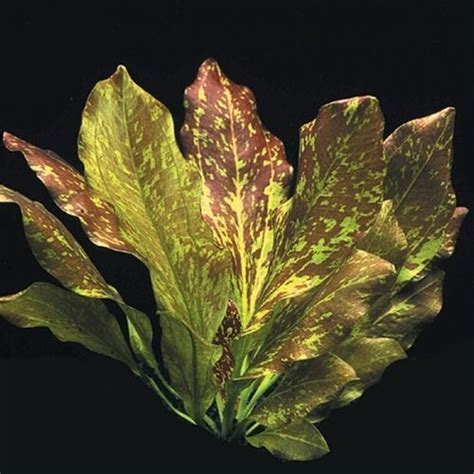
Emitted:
<point x="279" y="298"/>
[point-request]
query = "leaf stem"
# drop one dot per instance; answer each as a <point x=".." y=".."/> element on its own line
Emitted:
<point x="152" y="384"/>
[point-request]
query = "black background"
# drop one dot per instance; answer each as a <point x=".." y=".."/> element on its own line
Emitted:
<point x="68" y="410"/>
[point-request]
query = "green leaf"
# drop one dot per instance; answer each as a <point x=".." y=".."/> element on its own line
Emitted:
<point x="156" y="195"/>
<point x="304" y="387"/>
<point x="56" y="250"/>
<point x="299" y="441"/>
<point x="70" y="317"/>
<point x="419" y="183"/>
<point x="338" y="194"/>
<point x="59" y="253"/>
<point x="369" y="357"/>
<point x="190" y="361"/>
<point x="328" y="318"/>
<point x="385" y="238"/>
<point x="415" y="306"/>
<point x="245" y="175"/>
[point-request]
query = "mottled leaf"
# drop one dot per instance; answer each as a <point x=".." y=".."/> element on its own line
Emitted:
<point x="59" y="253"/>
<point x="228" y="330"/>
<point x="131" y="159"/>
<point x="72" y="194"/>
<point x="385" y="238"/>
<point x="70" y="317"/>
<point x="419" y="184"/>
<point x="304" y="387"/>
<point x="451" y="232"/>
<point x="300" y="441"/>
<point x="190" y="361"/>
<point x="416" y="305"/>
<point x="328" y="319"/>
<point x="245" y="176"/>
<point x="338" y="194"/>
<point x="369" y="357"/>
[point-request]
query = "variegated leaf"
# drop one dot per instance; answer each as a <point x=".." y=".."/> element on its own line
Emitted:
<point x="300" y="441"/>
<point x="70" y="317"/>
<point x="329" y="317"/>
<point x="72" y="194"/>
<point x="306" y="385"/>
<point x="59" y="253"/>
<point x="190" y="361"/>
<point x="338" y="194"/>
<point x="385" y="238"/>
<point x="131" y="159"/>
<point x="419" y="184"/>
<point x="451" y="232"/>
<point x="245" y="176"/>
<point x="416" y="305"/>
<point x="369" y="357"/>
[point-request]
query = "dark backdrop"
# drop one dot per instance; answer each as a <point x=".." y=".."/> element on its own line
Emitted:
<point x="68" y="410"/>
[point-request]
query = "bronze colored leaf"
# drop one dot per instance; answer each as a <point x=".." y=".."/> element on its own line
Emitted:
<point x="245" y="176"/>
<point x="418" y="182"/>
<point x="307" y="385"/>
<point x="328" y="319"/>
<point x="338" y="194"/>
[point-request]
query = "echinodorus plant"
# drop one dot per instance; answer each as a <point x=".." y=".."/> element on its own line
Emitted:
<point x="278" y="301"/>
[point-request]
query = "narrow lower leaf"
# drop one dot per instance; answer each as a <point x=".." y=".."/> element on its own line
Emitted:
<point x="190" y="361"/>
<point x="70" y="317"/>
<point x="59" y="253"/>
<point x="300" y="441"/>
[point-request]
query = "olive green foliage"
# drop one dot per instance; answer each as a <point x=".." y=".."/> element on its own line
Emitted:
<point x="277" y="303"/>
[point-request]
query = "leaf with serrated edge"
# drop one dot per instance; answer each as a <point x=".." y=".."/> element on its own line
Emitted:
<point x="59" y="253"/>
<point x="328" y="319"/>
<point x="300" y="441"/>
<point x="190" y="361"/>
<point x="305" y="386"/>
<point x="70" y="317"/>
<point x="245" y="176"/>
<point x="416" y="305"/>
<point x="338" y="194"/>
<point x="418" y="182"/>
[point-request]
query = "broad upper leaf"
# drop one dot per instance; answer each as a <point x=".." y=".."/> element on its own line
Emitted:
<point x="70" y="317"/>
<point x="328" y="318"/>
<point x="451" y="232"/>
<point x="418" y="182"/>
<point x="338" y="194"/>
<point x="306" y="385"/>
<point x="245" y="176"/>
<point x="300" y="441"/>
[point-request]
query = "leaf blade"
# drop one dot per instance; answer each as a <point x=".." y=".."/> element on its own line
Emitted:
<point x="295" y="442"/>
